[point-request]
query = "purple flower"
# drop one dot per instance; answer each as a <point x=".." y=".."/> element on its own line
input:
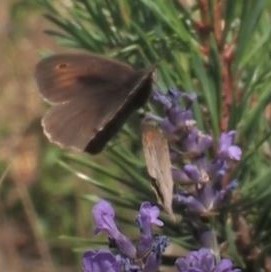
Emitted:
<point x="153" y="260"/>
<point x="196" y="173"/>
<point x="196" y="162"/>
<point x="199" y="172"/>
<point x="169" y="128"/>
<point x="148" y="215"/>
<point x="144" y="257"/>
<point x="191" y="203"/>
<point x="152" y="263"/>
<point x="180" y="175"/>
<point x="100" y="261"/>
<point x="227" y="150"/>
<point x="181" y="119"/>
<point x="177" y="120"/>
<point x="162" y="99"/>
<point x="205" y="200"/>
<point x="196" y="142"/>
<point x="204" y="260"/>
<point x="104" y="217"/>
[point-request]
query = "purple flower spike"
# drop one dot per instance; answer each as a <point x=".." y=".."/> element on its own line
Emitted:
<point x="148" y="216"/>
<point x="204" y="260"/>
<point x="206" y="200"/>
<point x="226" y="148"/>
<point x="100" y="261"/>
<point x="144" y="256"/>
<point x="104" y="216"/>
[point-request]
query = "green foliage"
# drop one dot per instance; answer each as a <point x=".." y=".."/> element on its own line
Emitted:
<point x="230" y="73"/>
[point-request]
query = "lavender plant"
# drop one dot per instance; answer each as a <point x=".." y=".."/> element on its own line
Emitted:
<point x="144" y="256"/>
<point x="220" y="49"/>
<point x="194" y="164"/>
<point x="199" y="192"/>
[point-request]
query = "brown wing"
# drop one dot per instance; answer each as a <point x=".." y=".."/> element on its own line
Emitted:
<point x="139" y="87"/>
<point x="61" y="77"/>
<point x="74" y="123"/>
<point x="156" y="152"/>
<point x="88" y="92"/>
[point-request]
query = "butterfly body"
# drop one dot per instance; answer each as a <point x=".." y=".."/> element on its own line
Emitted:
<point x="91" y="97"/>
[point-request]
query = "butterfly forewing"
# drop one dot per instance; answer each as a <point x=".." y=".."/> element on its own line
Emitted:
<point x="61" y="77"/>
<point x="91" y="97"/>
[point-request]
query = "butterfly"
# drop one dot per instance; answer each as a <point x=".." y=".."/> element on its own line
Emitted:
<point x="91" y="98"/>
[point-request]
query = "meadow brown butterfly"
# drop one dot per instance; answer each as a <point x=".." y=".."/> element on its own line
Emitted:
<point x="91" y="98"/>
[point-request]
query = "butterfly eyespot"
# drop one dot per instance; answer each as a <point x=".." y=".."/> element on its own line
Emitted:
<point x="62" y="66"/>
